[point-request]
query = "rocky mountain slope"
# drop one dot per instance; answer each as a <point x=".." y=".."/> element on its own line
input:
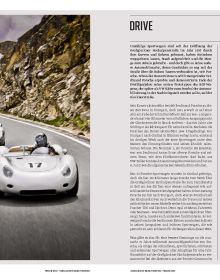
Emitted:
<point x="45" y="74"/>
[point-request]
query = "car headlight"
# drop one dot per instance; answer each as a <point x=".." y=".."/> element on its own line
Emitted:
<point x="66" y="171"/>
<point x="7" y="171"/>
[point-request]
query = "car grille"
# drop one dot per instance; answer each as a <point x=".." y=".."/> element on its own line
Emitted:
<point x="38" y="192"/>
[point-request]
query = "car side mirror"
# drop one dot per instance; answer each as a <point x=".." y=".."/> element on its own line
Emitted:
<point x="64" y="151"/>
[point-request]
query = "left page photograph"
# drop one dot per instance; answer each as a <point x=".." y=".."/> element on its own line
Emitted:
<point x="45" y="137"/>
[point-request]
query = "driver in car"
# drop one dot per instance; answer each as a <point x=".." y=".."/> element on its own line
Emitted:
<point x="42" y="146"/>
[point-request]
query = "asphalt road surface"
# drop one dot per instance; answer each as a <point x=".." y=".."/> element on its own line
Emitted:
<point x="52" y="227"/>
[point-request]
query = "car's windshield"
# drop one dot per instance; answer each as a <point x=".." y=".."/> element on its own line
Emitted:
<point x="28" y="151"/>
<point x="23" y="154"/>
<point x="20" y="149"/>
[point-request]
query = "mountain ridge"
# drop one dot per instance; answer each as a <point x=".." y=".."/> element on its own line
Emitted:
<point x="45" y="75"/>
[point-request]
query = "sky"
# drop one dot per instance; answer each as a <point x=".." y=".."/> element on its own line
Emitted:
<point x="13" y="26"/>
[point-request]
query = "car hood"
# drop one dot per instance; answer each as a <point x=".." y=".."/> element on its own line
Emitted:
<point x="34" y="163"/>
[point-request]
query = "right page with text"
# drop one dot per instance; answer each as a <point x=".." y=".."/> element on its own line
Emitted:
<point x="163" y="102"/>
<point x="173" y="138"/>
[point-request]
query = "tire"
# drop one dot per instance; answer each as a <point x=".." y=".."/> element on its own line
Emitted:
<point x="2" y="194"/>
<point x="73" y="192"/>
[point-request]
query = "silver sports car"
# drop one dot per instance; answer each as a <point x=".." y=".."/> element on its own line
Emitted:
<point x="38" y="173"/>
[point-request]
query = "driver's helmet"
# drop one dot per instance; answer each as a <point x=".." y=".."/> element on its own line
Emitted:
<point x="41" y="140"/>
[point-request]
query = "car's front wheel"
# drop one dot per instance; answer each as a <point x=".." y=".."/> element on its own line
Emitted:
<point x="75" y="188"/>
<point x="2" y="194"/>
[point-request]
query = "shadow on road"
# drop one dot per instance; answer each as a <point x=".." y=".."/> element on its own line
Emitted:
<point x="36" y="201"/>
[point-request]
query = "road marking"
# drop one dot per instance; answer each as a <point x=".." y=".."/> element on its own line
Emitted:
<point x="48" y="129"/>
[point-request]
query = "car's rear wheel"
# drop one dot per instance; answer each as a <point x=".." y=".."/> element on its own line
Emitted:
<point x="73" y="192"/>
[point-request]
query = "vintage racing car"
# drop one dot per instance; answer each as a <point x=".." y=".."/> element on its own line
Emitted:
<point x="39" y="173"/>
<point x="2" y="135"/>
